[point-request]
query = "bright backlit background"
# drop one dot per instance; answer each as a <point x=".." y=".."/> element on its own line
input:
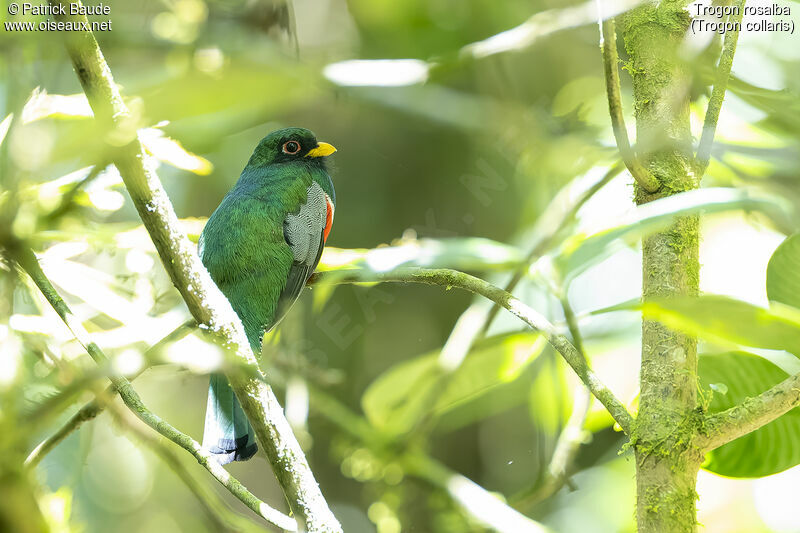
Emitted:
<point x="439" y="142"/>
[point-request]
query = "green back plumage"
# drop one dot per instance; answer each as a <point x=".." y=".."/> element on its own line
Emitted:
<point x="243" y="245"/>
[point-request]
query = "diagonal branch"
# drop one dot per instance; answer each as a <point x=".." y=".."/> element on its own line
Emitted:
<point x="28" y="262"/>
<point x="573" y="434"/>
<point x="608" y="44"/>
<point x="204" y="300"/>
<point x="86" y="413"/>
<point x="546" y="236"/>
<point x="452" y="278"/>
<point x="753" y="413"/>
<point x="475" y="321"/>
<point x="93" y="408"/>
<point x="718" y="92"/>
<point x="216" y="510"/>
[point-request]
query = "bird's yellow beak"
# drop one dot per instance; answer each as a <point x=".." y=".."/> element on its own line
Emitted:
<point x="321" y="150"/>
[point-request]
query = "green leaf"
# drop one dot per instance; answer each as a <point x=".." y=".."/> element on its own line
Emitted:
<point x="460" y="253"/>
<point x="172" y="152"/>
<point x="781" y="106"/>
<point x="194" y="100"/>
<point x="766" y="451"/>
<point x="42" y="105"/>
<point x="4" y="127"/>
<point x="402" y="395"/>
<point x="550" y="400"/>
<point x="493" y="401"/>
<point x="726" y="321"/>
<point x="582" y="251"/>
<point x="783" y="273"/>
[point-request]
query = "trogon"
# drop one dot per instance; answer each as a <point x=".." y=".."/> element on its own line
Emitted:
<point x="260" y="246"/>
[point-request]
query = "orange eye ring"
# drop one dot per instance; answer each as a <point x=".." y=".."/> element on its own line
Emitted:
<point x="291" y="147"/>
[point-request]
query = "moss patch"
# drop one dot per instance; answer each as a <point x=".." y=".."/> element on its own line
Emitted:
<point x="668" y="420"/>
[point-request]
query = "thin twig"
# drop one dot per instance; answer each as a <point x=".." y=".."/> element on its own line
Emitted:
<point x="475" y="321"/>
<point x="94" y="408"/>
<point x="86" y="413"/>
<point x="753" y="413"/>
<point x="59" y="401"/>
<point x="216" y="510"/>
<point x="451" y="278"/>
<point x="292" y="29"/>
<point x="26" y="259"/>
<point x="718" y="92"/>
<point x="68" y="198"/>
<point x="608" y="44"/>
<point x="205" y="301"/>
<point x="546" y="236"/>
<point x="572" y="436"/>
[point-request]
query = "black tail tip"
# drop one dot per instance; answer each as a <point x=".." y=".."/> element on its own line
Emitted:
<point x="228" y="450"/>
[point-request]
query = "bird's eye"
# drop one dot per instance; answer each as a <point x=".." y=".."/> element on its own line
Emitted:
<point x="291" y="147"/>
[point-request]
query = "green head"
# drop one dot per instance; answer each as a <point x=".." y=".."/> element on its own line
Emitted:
<point x="290" y="145"/>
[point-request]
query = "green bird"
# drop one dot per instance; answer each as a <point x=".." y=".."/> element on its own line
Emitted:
<point x="260" y="246"/>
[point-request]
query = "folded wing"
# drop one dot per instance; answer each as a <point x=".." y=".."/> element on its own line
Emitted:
<point x="305" y="233"/>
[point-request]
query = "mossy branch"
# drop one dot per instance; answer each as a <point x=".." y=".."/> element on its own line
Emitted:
<point x="608" y="45"/>
<point x="718" y="92"/>
<point x="753" y="413"/>
<point x="28" y="262"/>
<point x="452" y="278"/>
<point x="665" y="477"/>
<point x="205" y="302"/>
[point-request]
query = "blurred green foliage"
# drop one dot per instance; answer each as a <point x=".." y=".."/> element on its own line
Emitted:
<point x="731" y="378"/>
<point x="467" y="170"/>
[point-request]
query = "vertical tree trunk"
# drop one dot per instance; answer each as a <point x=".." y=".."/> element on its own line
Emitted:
<point x="666" y="464"/>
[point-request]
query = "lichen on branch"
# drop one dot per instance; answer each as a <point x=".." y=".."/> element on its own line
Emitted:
<point x="666" y="462"/>
<point x="205" y="301"/>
